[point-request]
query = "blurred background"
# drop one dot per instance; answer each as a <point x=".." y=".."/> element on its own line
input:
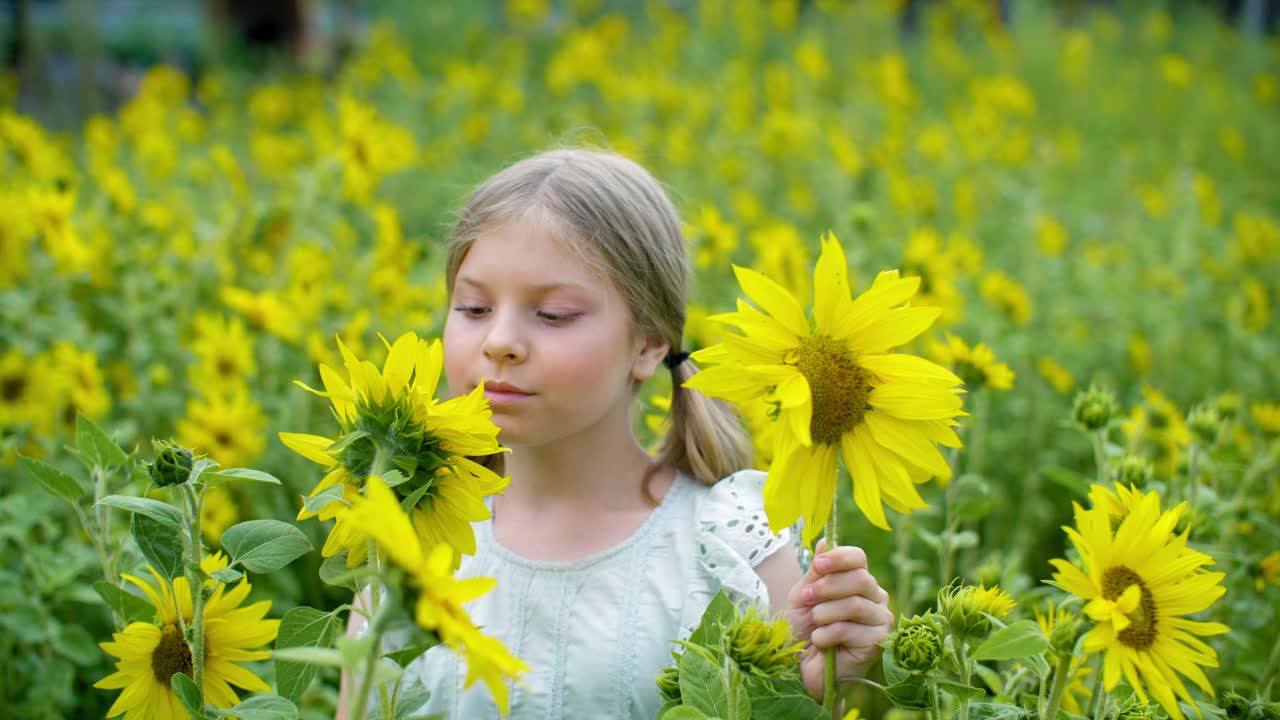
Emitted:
<point x="196" y="198"/>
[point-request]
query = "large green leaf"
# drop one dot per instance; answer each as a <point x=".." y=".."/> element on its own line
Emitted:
<point x="301" y="627"/>
<point x="1018" y="640"/>
<point x="54" y="480"/>
<point x="160" y="543"/>
<point x="264" y="545"/>
<point x="160" y="512"/>
<point x="702" y="685"/>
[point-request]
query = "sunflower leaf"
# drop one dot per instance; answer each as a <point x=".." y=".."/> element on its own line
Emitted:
<point x="264" y="545"/>
<point x="701" y="684"/>
<point x="226" y="575"/>
<point x="408" y="700"/>
<point x="159" y="543"/>
<point x="301" y="627"/>
<point x="128" y="606"/>
<point x="959" y="691"/>
<point x="262" y="707"/>
<point x="95" y="446"/>
<point x="1019" y="640"/>
<point x="163" y="513"/>
<point x="198" y="469"/>
<point x="222" y="476"/>
<point x="54" y="480"/>
<point x="315" y="503"/>
<point x="185" y="688"/>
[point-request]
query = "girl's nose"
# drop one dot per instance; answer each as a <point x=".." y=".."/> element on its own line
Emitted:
<point x="503" y="342"/>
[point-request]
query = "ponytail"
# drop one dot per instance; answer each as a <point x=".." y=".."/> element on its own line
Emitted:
<point x="706" y="439"/>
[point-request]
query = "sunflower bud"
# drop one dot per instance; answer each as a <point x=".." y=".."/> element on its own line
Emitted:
<point x="669" y="684"/>
<point x="1205" y="423"/>
<point x="917" y="643"/>
<point x="1134" y="470"/>
<point x="1141" y="711"/>
<point x="1228" y="406"/>
<point x="1067" y="629"/>
<point x="966" y="608"/>
<point x="761" y="647"/>
<point x="1093" y="409"/>
<point x="172" y="465"/>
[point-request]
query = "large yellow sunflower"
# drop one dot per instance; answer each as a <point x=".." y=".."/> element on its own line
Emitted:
<point x="440" y="595"/>
<point x="835" y="388"/>
<point x="150" y="653"/>
<point x="1139" y="578"/>
<point x="389" y="419"/>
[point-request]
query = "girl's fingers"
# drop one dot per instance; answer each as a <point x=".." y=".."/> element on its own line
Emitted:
<point x="849" y="635"/>
<point x="843" y="584"/>
<point x="854" y="608"/>
<point x="839" y="558"/>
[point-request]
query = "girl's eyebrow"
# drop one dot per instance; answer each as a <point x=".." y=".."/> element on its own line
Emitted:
<point x="540" y="288"/>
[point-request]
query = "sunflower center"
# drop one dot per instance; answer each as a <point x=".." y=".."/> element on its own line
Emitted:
<point x="839" y="386"/>
<point x="171" y="656"/>
<point x="13" y="387"/>
<point x="1142" y="633"/>
<point x="226" y="368"/>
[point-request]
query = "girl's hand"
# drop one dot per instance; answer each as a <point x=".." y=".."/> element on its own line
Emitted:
<point x="838" y="604"/>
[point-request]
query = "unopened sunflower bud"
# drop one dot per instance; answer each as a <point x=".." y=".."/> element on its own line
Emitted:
<point x="669" y="684"/>
<point x="917" y="643"/>
<point x="761" y="647"/>
<point x="1228" y="406"/>
<point x="1205" y="423"/>
<point x="1067" y="629"/>
<point x="966" y="608"/>
<point x="1141" y="711"/>
<point x="172" y="465"/>
<point x="1093" y="409"/>
<point x="1134" y="470"/>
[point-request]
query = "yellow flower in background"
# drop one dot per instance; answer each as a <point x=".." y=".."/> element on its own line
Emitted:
<point x="1268" y="571"/>
<point x="718" y="238"/>
<point x="1267" y="416"/>
<point x="390" y="419"/>
<point x="781" y="253"/>
<point x="266" y="310"/>
<point x="28" y="391"/>
<point x="1051" y="236"/>
<point x="1139" y="354"/>
<point x="372" y="148"/>
<point x="84" y="387"/>
<point x="1251" y="305"/>
<point x="150" y="653"/>
<point x="223" y="350"/>
<point x="227" y="426"/>
<point x="1138" y="579"/>
<point x="377" y="515"/>
<point x="1159" y="429"/>
<point x="218" y="511"/>
<point x="925" y="257"/>
<point x="835" y="387"/>
<point x="1058" y="377"/>
<point x="977" y="365"/>
<point x="1007" y="296"/>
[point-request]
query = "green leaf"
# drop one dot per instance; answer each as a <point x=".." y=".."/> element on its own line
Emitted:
<point x="314" y="503"/>
<point x="701" y="684"/>
<point x="893" y="672"/>
<point x="185" y="688"/>
<point x="95" y="446"/>
<point x="1073" y="481"/>
<point x="409" y="700"/>
<point x="264" y="545"/>
<point x="413" y="652"/>
<point x="1019" y="640"/>
<point x="198" y="469"/>
<point x="960" y="692"/>
<point x="160" y="544"/>
<point x="226" y="575"/>
<point x="224" y="476"/>
<point x="334" y="571"/>
<point x="1038" y="665"/>
<point x="53" y="479"/>
<point x="301" y="627"/>
<point x="341" y="443"/>
<point x="719" y="614"/>
<point x="973" y="498"/>
<point x="321" y="657"/>
<point x="910" y="694"/>
<point x="75" y="643"/>
<point x="683" y="712"/>
<point x="262" y="707"/>
<point x="996" y="711"/>
<point x="160" y="512"/>
<point x="128" y="606"/>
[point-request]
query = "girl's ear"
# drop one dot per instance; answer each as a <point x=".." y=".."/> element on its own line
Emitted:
<point x="652" y="353"/>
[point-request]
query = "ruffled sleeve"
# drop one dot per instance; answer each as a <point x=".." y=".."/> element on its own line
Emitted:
<point x="734" y="535"/>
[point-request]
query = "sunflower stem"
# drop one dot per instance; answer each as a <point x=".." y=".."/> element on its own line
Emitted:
<point x="935" y="701"/>
<point x="1100" y="456"/>
<point x="1193" y="473"/>
<point x="1060" y="677"/>
<point x="966" y="672"/>
<point x="946" y="551"/>
<point x="829" y="688"/>
<point x="1095" y="694"/>
<point x="191" y="502"/>
<point x="359" y="710"/>
<point x="376" y="468"/>
<point x="1273" y="664"/>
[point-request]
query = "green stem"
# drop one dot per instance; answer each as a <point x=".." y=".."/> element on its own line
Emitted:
<point x="191" y="502"/>
<point x="1273" y="664"/>
<point x="1100" y="456"/>
<point x="363" y="689"/>
<point x="104" y="518"/>
<point x="951" y="523"/>
<point x="1061" y="676"/>
<point x="829" y="689"/>
<point x="1193" y="472"/>
<point x="966" y="672"/>
<point x="935" y="700"/>
<point x="1096" y="693"/>
<point x="902" y="558"/>
<point x="359" y="710"/>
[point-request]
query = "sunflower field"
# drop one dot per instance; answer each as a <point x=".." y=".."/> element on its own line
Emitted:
<point x="1084" y="195"/>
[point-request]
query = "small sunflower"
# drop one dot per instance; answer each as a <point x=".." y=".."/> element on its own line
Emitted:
<point x="151" y="653"/>
<point x="223" y="350"/>
<point x="1139" y="579"/>
<point x="225" y="425"/>
<point x="977" y="365"/>
<point x="1267" y="415"/>
<point x="391" y="418"/>
<point x="440" y="595"/>
<point x="967" y="607"/>
<point x="835" y="387"/>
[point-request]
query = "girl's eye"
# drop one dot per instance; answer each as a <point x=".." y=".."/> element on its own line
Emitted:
<point x="558" y="318"/>
<point x="471" y="310"/>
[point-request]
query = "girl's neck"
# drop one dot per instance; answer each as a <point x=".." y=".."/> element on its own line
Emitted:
<point x="602" y="468"/>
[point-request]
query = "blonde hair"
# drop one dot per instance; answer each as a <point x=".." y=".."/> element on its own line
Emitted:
<point x="616" y="215"/>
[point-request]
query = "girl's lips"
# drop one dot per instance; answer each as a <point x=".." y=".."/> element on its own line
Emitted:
<point x="504" y="397"/>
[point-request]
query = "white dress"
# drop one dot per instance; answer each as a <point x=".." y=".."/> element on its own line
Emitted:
<point x="596" y="632"/>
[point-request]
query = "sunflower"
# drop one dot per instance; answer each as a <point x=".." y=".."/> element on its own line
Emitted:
<point x="440" y="595"/>
<point x="150" y="653"/>
<point x="223" y="349"/>
<point x="1267" y="415"/>
<point x="390" y="419"/>
<point x="976" y="365"/>
<point x="1138" y="580"/>
<point x="225" y="425"/>
<point x="835" y="388"/>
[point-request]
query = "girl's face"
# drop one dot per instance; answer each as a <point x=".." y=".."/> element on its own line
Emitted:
<point x="551" y="339"/>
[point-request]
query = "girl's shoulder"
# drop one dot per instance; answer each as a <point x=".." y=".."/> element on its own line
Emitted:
<point x="733" y="532"/>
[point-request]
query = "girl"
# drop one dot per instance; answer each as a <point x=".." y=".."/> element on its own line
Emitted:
<point x="567" y="276"/>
